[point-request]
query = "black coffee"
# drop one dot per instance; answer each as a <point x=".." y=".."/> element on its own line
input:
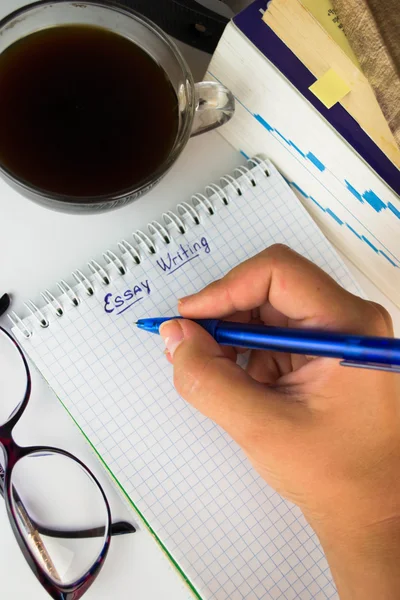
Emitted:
<point x="83" y="111"/>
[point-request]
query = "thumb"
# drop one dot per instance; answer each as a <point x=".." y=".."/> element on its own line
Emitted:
<point x="217" y="386"/>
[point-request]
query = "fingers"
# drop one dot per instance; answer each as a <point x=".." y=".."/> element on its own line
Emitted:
<point x="270" y="316"/>
<point x="264" y="366"/>
<point x="384" y="314"/>
<point x="215" y="385"/>
<point x="293" y="286"/>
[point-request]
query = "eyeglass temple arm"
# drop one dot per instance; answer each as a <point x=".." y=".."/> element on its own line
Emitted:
<point x="118" y="528"/>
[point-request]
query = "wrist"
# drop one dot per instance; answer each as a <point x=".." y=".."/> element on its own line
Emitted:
<point x="365" y="562"/>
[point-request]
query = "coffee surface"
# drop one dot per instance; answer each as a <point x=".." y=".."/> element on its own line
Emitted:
<point x="83" y="112"/>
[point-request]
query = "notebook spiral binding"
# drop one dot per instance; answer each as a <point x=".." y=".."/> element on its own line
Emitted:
<point x="185" y="211"/>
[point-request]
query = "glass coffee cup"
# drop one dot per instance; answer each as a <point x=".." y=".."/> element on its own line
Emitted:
<point x="200" y="107"/>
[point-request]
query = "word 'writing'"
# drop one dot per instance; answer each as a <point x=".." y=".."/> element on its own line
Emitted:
<point x="186" y="252"/>
<point x="128" y="298"/>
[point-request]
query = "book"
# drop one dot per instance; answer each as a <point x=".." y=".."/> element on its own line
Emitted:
<point x="344" y="180"/>
<point x="316" y="48"/>
<point x="231" y="535"/>
<point x="324" y="12"/>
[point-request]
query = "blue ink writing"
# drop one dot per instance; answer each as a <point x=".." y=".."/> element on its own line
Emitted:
<point x="186" y="252"/>
<point x="128" y="298"/>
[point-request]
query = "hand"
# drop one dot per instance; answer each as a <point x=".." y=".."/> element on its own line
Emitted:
<point x="324" y="436"/>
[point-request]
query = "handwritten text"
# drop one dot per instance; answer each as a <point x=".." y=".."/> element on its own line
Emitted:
<point x="122" y="302"/>
<point x="187" y="252"/>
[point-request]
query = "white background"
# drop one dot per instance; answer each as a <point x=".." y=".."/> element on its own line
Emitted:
<point x="37" y="248"/>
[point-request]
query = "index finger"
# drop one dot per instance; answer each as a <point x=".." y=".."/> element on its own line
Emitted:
<point x="292" y="285"/>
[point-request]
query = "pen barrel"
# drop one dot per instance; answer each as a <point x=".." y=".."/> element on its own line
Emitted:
<point x="304" y="341"/>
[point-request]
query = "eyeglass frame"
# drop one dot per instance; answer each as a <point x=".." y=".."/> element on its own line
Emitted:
<point x="13" y="452"/>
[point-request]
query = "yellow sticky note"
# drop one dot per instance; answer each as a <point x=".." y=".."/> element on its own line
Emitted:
<point x="330" y="88"/>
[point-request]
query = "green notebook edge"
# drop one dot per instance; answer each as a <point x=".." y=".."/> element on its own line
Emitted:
<point x="125" y="494"/>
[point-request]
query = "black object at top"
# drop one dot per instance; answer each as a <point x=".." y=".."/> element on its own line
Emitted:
<point x="186" y="20"/>
<point x="4" y="303"/>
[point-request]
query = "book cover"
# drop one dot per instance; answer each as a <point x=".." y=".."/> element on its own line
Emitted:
<point x="345" y="181"/>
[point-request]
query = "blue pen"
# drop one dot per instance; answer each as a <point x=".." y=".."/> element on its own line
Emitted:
<point x="355" y="350"/>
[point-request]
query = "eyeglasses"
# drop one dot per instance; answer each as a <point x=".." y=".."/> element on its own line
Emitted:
<point x="57" y="508"/>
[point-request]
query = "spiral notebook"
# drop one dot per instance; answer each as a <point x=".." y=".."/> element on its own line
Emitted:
<point x="231" y="535"/>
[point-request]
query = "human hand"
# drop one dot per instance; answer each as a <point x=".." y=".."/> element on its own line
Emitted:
<point x="324" y="436"/>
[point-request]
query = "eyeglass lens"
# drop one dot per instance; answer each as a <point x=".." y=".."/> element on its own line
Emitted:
<point x="51" y="493"/>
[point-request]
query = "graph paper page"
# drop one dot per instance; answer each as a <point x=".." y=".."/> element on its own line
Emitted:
<point x="231" y="534"/>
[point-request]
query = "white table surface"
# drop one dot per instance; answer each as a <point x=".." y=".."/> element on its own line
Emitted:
<point x="37" y="248"/>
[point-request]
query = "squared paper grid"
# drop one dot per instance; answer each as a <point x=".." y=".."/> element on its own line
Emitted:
<point x="232" y="535"/>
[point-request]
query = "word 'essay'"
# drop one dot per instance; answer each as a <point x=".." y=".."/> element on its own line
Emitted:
<point x="120" y="303"/>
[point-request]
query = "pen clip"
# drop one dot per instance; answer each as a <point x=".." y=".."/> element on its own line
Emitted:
<point x="371" y="365"/>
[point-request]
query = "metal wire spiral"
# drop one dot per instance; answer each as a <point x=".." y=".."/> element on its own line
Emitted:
<point x="145" y="244"/>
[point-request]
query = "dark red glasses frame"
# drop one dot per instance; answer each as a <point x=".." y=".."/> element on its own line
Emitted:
<point x="13" y="453"/>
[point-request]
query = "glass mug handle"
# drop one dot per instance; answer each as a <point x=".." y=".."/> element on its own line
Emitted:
<point x="215" y="105"/>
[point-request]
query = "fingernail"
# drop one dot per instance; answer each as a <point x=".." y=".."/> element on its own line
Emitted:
<point x="172" y="334"/>
<point x="185" y="299"/>
<point x="181" y="302"/>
